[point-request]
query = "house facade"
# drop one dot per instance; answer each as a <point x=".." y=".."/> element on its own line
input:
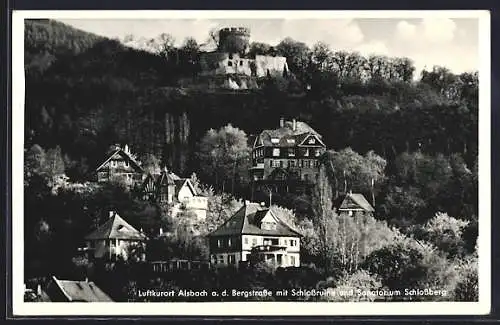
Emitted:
<point x="179" y="193"/>
<point x="116" y="239"/>
<point x="253" y="234"/>
<point x="290" y="152"/>
<point x="120" y="165"/>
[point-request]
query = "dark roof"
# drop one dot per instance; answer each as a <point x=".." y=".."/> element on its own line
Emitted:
<point x="127" y="156"/>
<point x="287" y="136"/>
<point x="246" y="221"/>
<point x="355" y="201"/>
<point x="116" y="228"/>
<point x="81" y="291"/>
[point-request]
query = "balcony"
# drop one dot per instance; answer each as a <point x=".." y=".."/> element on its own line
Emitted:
<point x="258" y="166"/>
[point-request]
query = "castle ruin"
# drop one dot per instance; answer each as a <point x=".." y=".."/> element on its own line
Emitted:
<point x="232" y="62"/>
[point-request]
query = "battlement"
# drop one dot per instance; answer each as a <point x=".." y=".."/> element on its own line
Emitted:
<point x="244" y="30"/>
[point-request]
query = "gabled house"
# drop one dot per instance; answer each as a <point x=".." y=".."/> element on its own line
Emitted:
<point x="255" y="233"/>
<point x="74" y="291"/>
<point x="120" y="165"/>
<point x="116" y="238"/>
<point x="179" y="193"/>
<point x="355" y="203"/>
<point x="290" y="152"/>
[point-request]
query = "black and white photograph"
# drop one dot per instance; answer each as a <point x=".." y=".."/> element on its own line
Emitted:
<point x="260" y="163"/>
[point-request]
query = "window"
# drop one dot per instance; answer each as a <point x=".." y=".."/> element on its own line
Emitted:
<point x="292" y="242"/>
<point x="276" y="152"/>
<point x="230" y="63"/>
<point x="229" y="242"/>
<point x="230" y="56"/>
<point x="221" y="259"/>
<point x="306" y="153"/>
<point x="292" y="260"/>
<point x="291" y="152"/>
<point x="268" y="226"/>
<point x="290" y="141"/>
<point x="285" y="242"/>
<point x="282" y="163"/>
<point x="311" y="140"/>
<point x="275" y="163"/>
<point x="246" y="240"/>
<point x="113" y="163"/>
<point x="125" y="163"/>
<point x="254" y="241"/>
<point x="275" y="140"/>
<point x="218" y="243"/>
<point x="231" y="259"/>
<point x="241" y="62"/>
<point x="317" y="152"/>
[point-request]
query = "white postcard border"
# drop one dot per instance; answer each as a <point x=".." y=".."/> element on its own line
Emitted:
<point x="21" y="308"/>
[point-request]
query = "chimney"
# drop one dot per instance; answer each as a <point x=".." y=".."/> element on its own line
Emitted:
<point x="111" y="214"/>
<point x="161" y="231"/>
<point x="86" y="279"/>
<point x="294" y="125"/>
<point x="262" y="204"/>
<point x="39" y="290"/>
<point x="126" y="149"/>
<point x="282" y="122"/>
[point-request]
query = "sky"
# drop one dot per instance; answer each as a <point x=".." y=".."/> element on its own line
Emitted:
<point x="430" y="41"/>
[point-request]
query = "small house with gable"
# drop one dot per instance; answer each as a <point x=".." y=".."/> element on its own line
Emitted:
<point x="120" y="165"/>
<point x="116" y="238"/>
<point x="355" y="203"/>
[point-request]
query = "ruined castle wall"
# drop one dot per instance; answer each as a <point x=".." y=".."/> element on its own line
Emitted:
<point x="274" y="64"/>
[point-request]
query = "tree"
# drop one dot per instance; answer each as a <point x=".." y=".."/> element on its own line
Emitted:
<point x="221" y="152"/>
<point x="54" y="165"/>
<point x="352" y="171"/>
<point x="297" y="57"/>
<point x="257" y="48"/>
<point x="445" y="233"/>
<point x="34" y="161"/>
<point x="151" y="164"/>
<point x="400" y="266"/>
<point x="358" y="282"/>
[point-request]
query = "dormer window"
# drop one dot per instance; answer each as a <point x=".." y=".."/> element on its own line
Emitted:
<point x="113" y="163"/>
<point x="311" y="141"/>
<point x="230" y="64"/>
<point x="276" y="152"/>
<point x="125" y="163"/>
<point x="268" y="226"/>
<point x="290" y="141"/>
<point x="291" y="152"/>
<point x="275" y="140"/>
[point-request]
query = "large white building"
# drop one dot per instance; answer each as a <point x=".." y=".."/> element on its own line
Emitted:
<point x="254" y="233"/>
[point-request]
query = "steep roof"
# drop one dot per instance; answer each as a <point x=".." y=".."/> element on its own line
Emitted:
<point x="81" y="291"/>
<point x="288" y="137"/>
<point x="355" y="201"/>
<point x="125" y="155"/>
<point x="246" y="221"/>
<point x="116" y="228"/>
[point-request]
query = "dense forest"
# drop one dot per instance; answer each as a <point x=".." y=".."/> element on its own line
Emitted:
<point x="413" y="133"/>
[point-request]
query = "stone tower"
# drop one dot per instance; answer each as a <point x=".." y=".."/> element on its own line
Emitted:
<point x="234" y="40"/>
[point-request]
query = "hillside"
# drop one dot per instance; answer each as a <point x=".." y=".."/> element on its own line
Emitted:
<point x="94" y="91"/>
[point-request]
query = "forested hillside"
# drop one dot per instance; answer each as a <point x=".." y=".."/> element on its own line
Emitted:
<point x="413" y="134"/>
